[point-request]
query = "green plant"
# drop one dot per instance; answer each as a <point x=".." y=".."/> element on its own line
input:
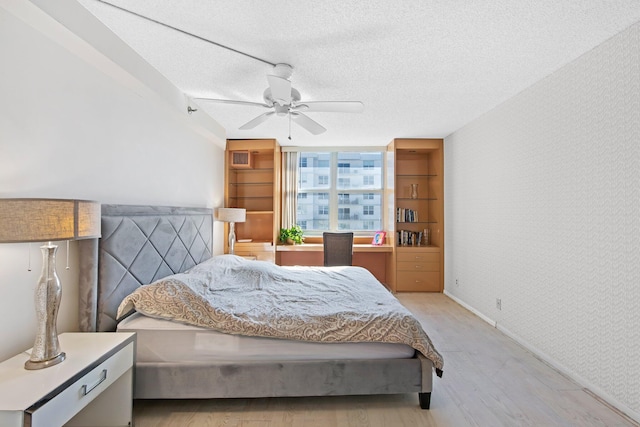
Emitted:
<point x="293" y="234"/>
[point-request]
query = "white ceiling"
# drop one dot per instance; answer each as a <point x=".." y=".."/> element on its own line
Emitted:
<point x="422" y="68"/>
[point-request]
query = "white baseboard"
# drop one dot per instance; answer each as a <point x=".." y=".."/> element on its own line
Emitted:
<point x="471" y="309"/>
<point x="594" y="389"/>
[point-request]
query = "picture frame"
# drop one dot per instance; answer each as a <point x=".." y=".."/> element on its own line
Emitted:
<point x="378" y="238"/>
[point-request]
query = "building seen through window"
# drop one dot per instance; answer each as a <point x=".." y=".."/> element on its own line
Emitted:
<point x="340" y="191"/>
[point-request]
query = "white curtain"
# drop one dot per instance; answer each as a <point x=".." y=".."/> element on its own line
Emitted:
<point x="289" y="189"/>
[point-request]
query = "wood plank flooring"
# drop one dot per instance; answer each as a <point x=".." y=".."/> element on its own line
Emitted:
<point x="489" y="380"/>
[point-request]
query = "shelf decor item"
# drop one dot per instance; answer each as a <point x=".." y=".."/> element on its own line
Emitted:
<point x="292" y="235"/>
<point x="426" y="237"/>
<point x="231" y="215"/>
<point x="47" y="220"/>
<point x="378" y="238"/>
<point x="414" y="191"/>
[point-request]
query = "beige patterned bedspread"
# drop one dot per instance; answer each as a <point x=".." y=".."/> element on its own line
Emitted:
<point x="237" y="296"/>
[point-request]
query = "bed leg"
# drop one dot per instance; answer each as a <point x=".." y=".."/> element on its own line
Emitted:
<point x="425" y="400"/>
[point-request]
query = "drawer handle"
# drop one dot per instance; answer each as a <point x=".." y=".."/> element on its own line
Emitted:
<point x="418" y="257"/>
<point x="86" y="389"/>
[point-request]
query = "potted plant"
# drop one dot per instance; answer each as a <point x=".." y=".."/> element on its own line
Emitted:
<point x="292" y="235"/>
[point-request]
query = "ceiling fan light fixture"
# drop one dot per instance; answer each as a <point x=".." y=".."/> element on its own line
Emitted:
<point x="284" y="100"/>
<point x="281" y="110"/>
<point x="283" y="70"/>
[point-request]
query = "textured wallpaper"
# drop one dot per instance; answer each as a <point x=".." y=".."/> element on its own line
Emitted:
<point x="542" y="202"/>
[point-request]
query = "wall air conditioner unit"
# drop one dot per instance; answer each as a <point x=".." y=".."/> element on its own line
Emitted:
<point x="241" y="160"/>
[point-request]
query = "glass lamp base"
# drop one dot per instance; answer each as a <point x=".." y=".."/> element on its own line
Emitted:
<point x="41" y="364"/>
<point x="232" y="237"/>
<point x="46" y="350"/>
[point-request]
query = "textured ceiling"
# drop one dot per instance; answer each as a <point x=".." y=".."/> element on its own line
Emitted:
<point x="422" y="68"/>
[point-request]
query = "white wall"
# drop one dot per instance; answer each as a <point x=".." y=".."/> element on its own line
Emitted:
<point x="70" y="128"/>
<point x="543" y="211"/>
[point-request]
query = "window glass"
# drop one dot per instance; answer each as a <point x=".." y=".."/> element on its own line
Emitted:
<point x="340" y="191"/>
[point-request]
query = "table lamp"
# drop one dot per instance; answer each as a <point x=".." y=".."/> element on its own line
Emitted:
<point x="231" y="215"/>
<point x="47" y="220"/>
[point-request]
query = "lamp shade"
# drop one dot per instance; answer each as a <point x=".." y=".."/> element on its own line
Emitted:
<point x="231" y="214"/>
<point x="39" y="220"/>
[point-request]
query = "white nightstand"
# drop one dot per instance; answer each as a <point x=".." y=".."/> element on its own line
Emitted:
<point x="92" y="387"/>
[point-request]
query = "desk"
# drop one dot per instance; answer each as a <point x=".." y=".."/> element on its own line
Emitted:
<point x="373" y="258"/>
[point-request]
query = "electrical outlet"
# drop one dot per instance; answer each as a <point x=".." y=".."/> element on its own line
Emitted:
<point x="498" y="303"/>
<point x="457" y="282"/>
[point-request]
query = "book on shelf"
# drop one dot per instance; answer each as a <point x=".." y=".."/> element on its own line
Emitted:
<point x="406" y="215"/>
<point x="413" y="238"/>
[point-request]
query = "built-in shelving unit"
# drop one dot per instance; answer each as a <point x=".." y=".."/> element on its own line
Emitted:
<point x="417" y="191"/>
<point x="254" y="186"/>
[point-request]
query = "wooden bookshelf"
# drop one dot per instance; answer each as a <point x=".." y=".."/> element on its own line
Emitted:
<point x="416" y="188"/>
<point x="255" y="186"/>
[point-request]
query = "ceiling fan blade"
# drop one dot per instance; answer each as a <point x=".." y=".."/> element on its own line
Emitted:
<point x="331" y="106"/>
<point x="255" y="122"/>
<point x="280" y="89"/>
<point x="230" y="101"/>
<point x="310" y="125"/>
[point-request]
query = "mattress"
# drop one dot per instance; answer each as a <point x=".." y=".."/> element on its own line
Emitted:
<point x="161" y="340"/>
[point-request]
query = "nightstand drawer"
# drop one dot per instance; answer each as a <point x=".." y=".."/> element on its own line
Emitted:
<point x="79" y="394"/>
<point x="418" y="266"/>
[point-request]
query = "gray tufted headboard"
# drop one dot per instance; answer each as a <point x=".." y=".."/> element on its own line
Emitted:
<point x="139" y="244"/>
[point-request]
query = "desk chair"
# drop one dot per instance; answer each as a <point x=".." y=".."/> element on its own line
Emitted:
<point x="338" y="248"/>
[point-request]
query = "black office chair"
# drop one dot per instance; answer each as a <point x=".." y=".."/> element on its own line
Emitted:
<point x="338" y="248"/>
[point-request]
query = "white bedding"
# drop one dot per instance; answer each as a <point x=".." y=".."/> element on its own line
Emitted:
<point x="161" y="340"/>
<point x="232" y="295"/>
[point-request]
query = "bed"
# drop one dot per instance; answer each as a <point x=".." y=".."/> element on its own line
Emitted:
<point x="141" y="245"/>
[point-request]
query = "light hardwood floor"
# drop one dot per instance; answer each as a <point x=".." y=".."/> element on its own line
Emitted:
<point x="489" y="380"/>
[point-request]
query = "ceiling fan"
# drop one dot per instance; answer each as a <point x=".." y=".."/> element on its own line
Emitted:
<point x="279" y="97"/>
<point x="284" y="100"/>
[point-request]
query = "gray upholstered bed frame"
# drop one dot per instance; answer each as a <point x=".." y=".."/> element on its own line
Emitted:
<point x="141" y="244"/>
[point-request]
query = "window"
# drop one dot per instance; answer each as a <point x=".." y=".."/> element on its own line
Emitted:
<point x="344" y="182"/>
<point x="343" y="191"/>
